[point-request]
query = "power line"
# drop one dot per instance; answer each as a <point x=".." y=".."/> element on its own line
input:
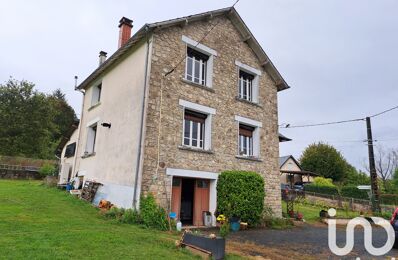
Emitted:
<point x="320" y="124"/>
<point x="385" y="111"/>
<point x="337" y="122"/>
<point x="204" y="36"/>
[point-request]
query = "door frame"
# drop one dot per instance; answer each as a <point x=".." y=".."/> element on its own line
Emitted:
<point x="211" y="176"/>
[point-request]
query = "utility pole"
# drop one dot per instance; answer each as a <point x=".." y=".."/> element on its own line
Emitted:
<point x="372" y="168"/>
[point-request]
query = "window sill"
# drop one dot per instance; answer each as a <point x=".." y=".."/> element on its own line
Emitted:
<point x="192" y="149"/>
<point x="88" y="155"/>
<point x="94" y="106"/>
<point x="249" y="158"/>
<point x="197" y="85"/>
<point x="248" y="102"/>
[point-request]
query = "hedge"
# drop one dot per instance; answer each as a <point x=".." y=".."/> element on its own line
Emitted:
<point x="354" y="192"/>
<point x="241" y="194"/>
<point x="329" y="190"/>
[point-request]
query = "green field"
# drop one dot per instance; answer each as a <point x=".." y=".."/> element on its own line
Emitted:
<point x="37" y="222"/>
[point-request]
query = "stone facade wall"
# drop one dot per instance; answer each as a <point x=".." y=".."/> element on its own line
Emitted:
<point x="168" y="50"/>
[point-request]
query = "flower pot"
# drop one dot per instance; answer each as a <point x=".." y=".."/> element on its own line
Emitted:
<point x="234" y="223"/>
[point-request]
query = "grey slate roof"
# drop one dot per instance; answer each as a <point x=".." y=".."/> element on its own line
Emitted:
<point x="230" y="12"/>
<point x="283" y="160"/>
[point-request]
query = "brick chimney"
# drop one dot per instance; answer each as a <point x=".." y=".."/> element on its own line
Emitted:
<point x="125" y="26"/>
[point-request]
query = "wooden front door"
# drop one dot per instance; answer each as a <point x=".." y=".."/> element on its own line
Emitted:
<point x="176" y="196"/>
<point x="201" y="200"/>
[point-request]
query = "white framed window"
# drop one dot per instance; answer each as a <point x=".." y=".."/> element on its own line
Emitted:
<point x="92" y="128"/>
<point x="96" y="94"/>
<point x="248" y="137"/>
<point x="246" y="140"/>
<point x="198" y="62"/>
<point x="248" y="82"/>
<point x="197" y="124"/>
<point x="246" y="85"/>
<point x="194" y="128"/>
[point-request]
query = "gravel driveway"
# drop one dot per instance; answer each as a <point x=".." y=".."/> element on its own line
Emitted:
<point x="312" y="240"/>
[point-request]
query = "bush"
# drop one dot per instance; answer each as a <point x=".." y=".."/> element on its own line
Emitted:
<point x="131" y="216"/>
<point x="47" y="169"/>
<point x="152" y="215"/>
<point x="354" y="192"/>
<point x="320" y="181"/>
<point x="241" y="194"/>
<point x="321" y="189"/>
<point x="114" y="213"/>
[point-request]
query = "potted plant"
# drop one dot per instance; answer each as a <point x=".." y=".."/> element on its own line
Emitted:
<point x="234" y="223"/>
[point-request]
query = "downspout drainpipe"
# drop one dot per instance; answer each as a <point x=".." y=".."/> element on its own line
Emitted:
<point x="79" y="135"/>
<point x="137" y="170"/>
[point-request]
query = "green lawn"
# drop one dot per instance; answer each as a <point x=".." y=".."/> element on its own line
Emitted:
<point x="311" y="213"/>
<point x="37" y="222"/>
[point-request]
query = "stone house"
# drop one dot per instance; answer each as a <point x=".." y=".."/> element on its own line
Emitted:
<point x="177" y="103"/>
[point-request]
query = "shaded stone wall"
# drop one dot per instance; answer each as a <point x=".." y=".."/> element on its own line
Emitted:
<point x="168" y="49"/>
<point x="19" y="174"/>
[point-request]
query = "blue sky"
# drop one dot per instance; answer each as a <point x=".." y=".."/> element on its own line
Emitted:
<point x="340" y="57"/>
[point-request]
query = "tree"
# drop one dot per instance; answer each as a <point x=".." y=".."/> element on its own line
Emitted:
<point x="386" y="164"/>
<point x="395" y="179"/>
<point x="325" y="160"/>
<point x="30" y="127"/>
<point x="355" y="177"/>
<point x="64" y="115"/>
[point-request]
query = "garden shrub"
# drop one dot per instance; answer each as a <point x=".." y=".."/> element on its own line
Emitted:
<point x="241" y="194"/>
<point x="320" y="181"/>
<point x="131" y="216"/>
<point x="354" y="192"/>
<point x="329" y="190"/>
<point x="152" y="215"/>
<point x="47" y="169"/>
<point x="114" y="213"/>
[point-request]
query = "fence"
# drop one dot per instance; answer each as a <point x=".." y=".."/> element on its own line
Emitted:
<point x="339" y="201"/>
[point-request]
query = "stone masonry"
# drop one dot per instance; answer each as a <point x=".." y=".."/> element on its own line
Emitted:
<point x="168" y="49"/>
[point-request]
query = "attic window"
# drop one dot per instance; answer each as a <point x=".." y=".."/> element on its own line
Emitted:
<point x="246" y="85"/>
<point x="248" y="82"/>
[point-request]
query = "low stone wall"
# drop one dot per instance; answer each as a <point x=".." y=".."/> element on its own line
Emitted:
<point x="19" y="174"/>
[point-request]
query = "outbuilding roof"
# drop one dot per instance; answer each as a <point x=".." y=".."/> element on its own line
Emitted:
<point x="230" y="12"/>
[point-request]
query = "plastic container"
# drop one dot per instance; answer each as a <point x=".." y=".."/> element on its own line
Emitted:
<point x="179" y="225"/>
